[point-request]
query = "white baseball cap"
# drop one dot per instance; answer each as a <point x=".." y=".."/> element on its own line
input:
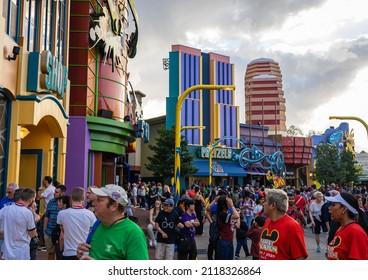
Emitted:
<point x="115" y="192"/>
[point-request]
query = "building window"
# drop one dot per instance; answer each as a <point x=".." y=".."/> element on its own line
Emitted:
<point x="11" y="15"/>
<point x="61" y="24"/>
<point x="48" y="20"/>
<point x="4" y="111"/>
<point x="30" y="25"/>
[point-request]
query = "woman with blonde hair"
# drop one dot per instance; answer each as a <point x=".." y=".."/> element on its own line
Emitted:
<point x="152" y="216"/>
<point x="315" y="216"/>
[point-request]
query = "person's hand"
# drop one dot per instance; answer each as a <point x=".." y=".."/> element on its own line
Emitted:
<point x="164" y="235"/>
<point x="83" y="249"/>
<point x="84" y="257"/>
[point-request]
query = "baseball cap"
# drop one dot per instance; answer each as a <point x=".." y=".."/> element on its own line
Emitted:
<point x="169" y="201"/>
<point x="339" y="199"/>
<point x="115" y="192"/>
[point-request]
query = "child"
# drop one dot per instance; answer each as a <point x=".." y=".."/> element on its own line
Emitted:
<point x="241" y="237"/>
<point x="254" y="234"/>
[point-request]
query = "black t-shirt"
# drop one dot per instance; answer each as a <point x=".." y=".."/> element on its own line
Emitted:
<point x="167" y="222"/>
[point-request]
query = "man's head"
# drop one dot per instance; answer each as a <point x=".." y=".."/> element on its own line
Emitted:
<point x="168" y="205"/>
<point x="10" y="189"/>
<point x="260" y="221"/>
<point x="291" y="198"/>
<point x="60" y="190"/>
<point x="47" y="180"/>
<point x="276" y="202"/>
<point x="17" y="195"/>
<point x="91" y="197"/>
<point x="111" y="199"/>
<point x="28" y="196"/>
<point x="188" y="203"/>
<point x="78" y="195"/>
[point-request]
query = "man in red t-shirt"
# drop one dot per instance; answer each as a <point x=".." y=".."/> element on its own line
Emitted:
<point x="282" y="237"/>
<point x="300" y="201"/>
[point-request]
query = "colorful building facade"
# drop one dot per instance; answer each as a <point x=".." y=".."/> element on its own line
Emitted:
<point x="101" y="127"/>
<point x="264" y="97"/>
<point x="34" y="91"/>
<point x="213" y="110"/>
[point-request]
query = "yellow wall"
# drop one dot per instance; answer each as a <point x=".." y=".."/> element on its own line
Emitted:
<point x="44" y="119"/>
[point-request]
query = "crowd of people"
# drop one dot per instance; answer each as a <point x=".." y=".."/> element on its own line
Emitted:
<point x="100" y="223"/>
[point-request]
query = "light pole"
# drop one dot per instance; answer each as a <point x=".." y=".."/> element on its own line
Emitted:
<point x="350" y="118"/>
<point x="178" y="128"/>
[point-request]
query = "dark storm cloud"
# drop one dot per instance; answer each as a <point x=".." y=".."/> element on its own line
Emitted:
<point x="313" y="79"/>
<point x="310" y="79"/>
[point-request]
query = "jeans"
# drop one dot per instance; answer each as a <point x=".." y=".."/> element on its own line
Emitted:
<point x="225" y="250"/>
<point x="241" y="243"/>
<point x="248" y="220"/>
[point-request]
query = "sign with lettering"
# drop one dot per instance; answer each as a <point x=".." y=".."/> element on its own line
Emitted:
<point x="217" y="152"/>
<point x="46" y="74"/>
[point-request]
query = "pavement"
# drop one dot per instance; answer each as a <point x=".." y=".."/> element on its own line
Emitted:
<point x="202" y="241"/>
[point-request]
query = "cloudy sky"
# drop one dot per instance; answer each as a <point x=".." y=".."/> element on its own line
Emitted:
<point x="321" y="46"/>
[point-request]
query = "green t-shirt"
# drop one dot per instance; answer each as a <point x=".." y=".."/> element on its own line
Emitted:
<point x="122" y="241"/>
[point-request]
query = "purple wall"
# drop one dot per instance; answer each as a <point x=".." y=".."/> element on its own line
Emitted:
<point x="78" y="145"/>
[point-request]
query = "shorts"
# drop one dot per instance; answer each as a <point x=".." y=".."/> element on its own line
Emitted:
<point x="162" y="248"/>
<point x="318" y="225"/>
<point x="50" y="247"/>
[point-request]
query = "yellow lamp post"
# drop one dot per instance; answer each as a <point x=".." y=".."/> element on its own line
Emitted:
<point x="178" y="128"/>
<point x="350" y="118"/>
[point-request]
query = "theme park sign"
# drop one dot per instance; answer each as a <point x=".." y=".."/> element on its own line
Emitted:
<point x="46" y="73"/>
<point x="218" y="152"/>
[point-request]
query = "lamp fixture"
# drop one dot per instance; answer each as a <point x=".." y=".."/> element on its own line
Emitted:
<point x="23" y="132"/>
<point x="16" y="51"/>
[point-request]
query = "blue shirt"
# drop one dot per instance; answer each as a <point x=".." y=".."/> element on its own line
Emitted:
<point x="5" y="201"/>
<point x="51" y="212"/>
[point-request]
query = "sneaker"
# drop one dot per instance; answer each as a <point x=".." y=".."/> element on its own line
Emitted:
<point x="318" y="249"/>
<point x="155" y="243"/>
<point x="236" y="257"/>
<point x="150" y="243"/>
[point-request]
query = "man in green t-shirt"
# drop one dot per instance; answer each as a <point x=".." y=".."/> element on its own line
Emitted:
<point x="116" y="237"/>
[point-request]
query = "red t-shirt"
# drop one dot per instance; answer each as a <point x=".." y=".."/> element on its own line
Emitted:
<point x="300" y="202"/>
<point x="349" y="243"/>
<point x="282" y="240"/>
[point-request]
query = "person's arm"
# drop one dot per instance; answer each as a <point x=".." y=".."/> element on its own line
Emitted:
<point x="230" y="204"/>
<point x="212" y="203"/>
<point x="32" y="233"/>
<point x="300" y="215"/>
<point x="151" y="217"/>
<point x="310" y="214"/>
<point x="157" y="227"/>
<point x="45" y="223"/>
<point x="61" y="238"/>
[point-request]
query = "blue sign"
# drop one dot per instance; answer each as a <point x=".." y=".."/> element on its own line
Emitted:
<point x="46" y="73"/>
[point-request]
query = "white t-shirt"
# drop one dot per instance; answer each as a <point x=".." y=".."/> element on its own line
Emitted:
<point x="48" y="194"/>
<point x="76" y="223"/>
<point x="17" y="221"/>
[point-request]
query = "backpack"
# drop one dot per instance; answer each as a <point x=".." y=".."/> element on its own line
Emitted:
<point x="214" y="231"/>
<point x="325" y="214"/>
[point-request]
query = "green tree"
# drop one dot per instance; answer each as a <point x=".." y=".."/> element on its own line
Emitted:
<point x="162" y="161"/>
<point x="349" y="167"/>
<point x="294" y="131"/>
<point x="327" y="164"/>
<point x="331" y="166"/>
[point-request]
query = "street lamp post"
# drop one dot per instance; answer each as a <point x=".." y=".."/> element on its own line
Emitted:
<point x="181" y="98"/>
<point x="350" y="118"/>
